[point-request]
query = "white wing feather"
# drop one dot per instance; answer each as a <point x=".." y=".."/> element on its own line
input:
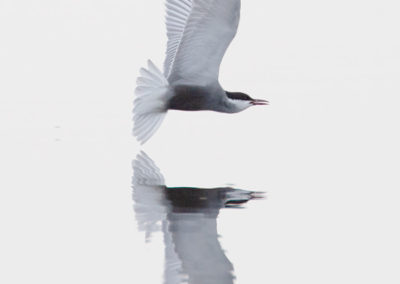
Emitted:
<point x="177" y="13"/>
<point x="195" y="52"/>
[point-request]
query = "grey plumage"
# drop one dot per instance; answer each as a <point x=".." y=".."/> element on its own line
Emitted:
<point x="199" y="32"/>
<point x="195" y="98"/>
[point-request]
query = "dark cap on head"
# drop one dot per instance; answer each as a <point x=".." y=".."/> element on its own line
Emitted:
<point x="238" y="96"/>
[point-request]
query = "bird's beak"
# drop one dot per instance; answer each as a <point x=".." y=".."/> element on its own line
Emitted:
<point x="259" y="102"/>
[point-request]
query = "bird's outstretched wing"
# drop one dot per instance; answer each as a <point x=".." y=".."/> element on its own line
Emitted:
<point x="199" y="32"/>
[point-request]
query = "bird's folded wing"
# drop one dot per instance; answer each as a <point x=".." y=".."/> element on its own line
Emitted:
<point x="199" y="32"/>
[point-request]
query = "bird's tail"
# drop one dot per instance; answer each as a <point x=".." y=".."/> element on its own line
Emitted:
<point x="150" y="102"/>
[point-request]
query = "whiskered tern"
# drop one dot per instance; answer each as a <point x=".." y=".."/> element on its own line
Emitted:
<point x="199" y="32"/>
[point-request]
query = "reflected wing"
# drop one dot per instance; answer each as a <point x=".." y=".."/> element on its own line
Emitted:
<point x="196" y="244"/>
<point x="199" y="32"/>
<point x="173" y="273"/>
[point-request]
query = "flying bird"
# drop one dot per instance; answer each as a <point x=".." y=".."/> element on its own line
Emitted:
<point x="199" y="32"/>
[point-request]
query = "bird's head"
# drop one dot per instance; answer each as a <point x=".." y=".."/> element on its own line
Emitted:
<point x="242" y="101"/>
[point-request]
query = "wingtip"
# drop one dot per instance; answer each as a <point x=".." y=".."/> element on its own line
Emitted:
<point x="151" y="65"/>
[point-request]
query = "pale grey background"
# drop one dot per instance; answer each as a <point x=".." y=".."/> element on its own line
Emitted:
<point x="326" y="149"/>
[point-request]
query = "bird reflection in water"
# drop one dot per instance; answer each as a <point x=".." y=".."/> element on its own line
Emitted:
<point x="187" y="217"/>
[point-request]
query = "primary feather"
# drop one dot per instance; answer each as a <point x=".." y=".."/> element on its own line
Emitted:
<point x="177" y="13"/>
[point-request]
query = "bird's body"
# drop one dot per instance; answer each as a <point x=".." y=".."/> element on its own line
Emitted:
<point x="195" y="98"/>
<point x="186" y="97"/>
<point x="199" y="32"/>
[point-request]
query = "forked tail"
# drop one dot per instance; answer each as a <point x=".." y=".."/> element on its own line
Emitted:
<point x="150" y="102"/>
